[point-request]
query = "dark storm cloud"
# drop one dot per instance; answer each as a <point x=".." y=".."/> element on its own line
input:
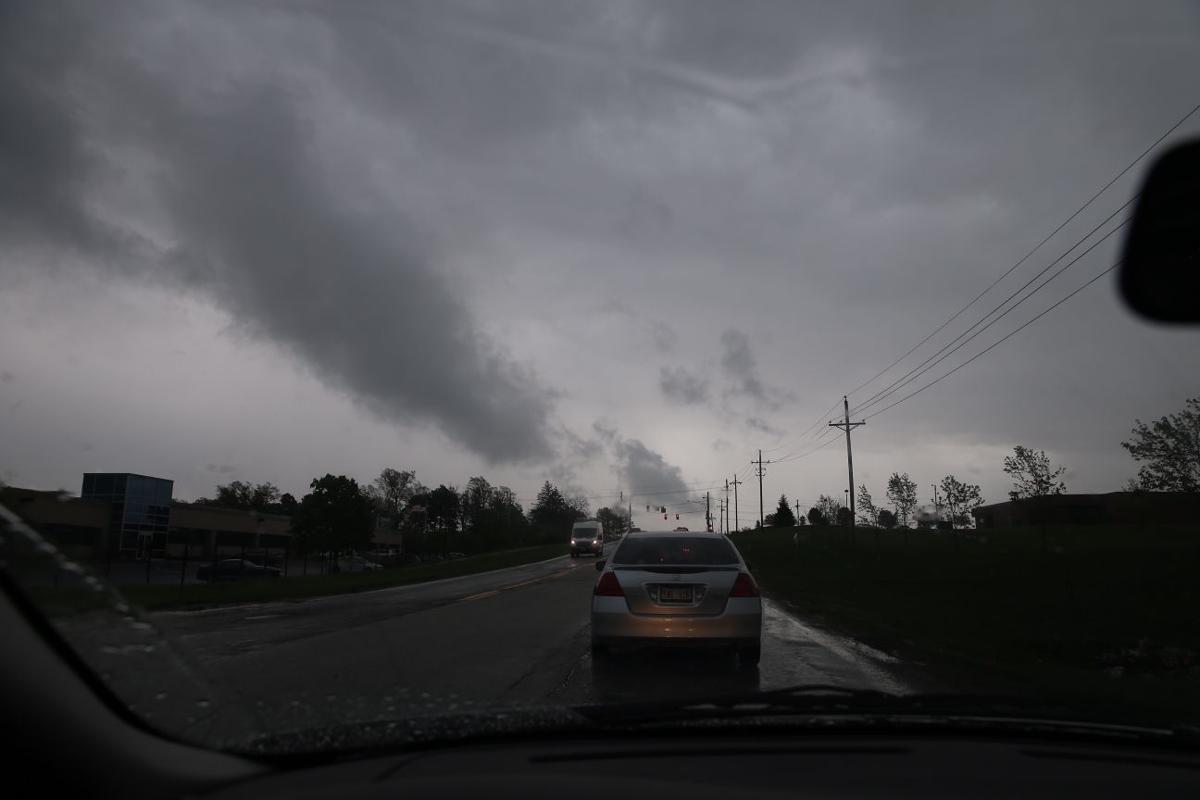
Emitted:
<point x="644" y="470"/>
<point x="44" y="164"/>
<point x="740" y="365"/>
<point x="682" y="387"/>
<point x="258" y="222"/>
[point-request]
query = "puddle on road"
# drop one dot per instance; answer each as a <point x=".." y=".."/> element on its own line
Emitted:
<point x="795" y="652"/>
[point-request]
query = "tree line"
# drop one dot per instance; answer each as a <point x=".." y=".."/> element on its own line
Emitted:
<point x="340" y="515"/>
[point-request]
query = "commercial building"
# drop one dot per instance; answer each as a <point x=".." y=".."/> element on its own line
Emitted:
<point x="139" y="507"/>
<point x="126" y="516"/>
<point x="1112" y="508"/>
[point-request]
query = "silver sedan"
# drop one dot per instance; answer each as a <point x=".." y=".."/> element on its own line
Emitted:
<point x="679" y="589"/>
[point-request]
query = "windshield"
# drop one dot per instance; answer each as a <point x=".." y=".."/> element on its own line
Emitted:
<point x="324" y="325"/>
<point x="674" y="549"/>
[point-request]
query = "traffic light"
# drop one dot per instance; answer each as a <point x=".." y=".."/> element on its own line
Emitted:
<point x="676" y="516"/>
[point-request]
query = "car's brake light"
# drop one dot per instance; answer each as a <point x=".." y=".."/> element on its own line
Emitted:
<point x="744" y="586"/>
<point x="608" y="586"/>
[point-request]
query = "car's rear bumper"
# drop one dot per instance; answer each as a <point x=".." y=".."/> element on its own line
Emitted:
<point x="613" y="623"/>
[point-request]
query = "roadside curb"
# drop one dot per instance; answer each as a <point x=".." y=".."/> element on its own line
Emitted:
<point x="400" y="588"/>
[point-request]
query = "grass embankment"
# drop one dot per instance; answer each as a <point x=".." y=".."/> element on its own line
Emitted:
<point x="154" y="597"/>
<point x="1106" y="613"/>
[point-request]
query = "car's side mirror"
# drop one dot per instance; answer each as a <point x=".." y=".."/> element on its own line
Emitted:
<point x="1160" y="268"/>
<point x="600" y="564"/>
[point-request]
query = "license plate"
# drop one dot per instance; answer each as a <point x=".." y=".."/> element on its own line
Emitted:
<point x="675" y="594"/>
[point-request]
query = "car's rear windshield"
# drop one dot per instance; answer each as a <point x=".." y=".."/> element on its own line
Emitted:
<point x="675" y="549"/>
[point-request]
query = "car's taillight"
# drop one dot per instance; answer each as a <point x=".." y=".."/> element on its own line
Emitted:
<point x="744" y="586"/>
<point x="608" y="586"/>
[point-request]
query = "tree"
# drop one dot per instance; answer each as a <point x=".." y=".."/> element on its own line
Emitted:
<point x="815" y="517"/>
<point x="843" y="517"/>
<point x="961" y="498"/>
<point x="395" y="488"/>
<point x="868" y="514"/>
<point x="828" y="506"/>
<point x="1032" y="474"/>
<point x="1169" y="450"/>
<point x="902" y="494"/>
<point x="887" y="518"/>
<point x="240" y="494"/>
<point x="784" y="516"/>
<point x="615" y="522"/>
<point x="443" y="508"/>
<point x="476" y="505"/>
<point x="552" y="514"/>
<point x="579" y="504"/>
<point x="334" y="517"/>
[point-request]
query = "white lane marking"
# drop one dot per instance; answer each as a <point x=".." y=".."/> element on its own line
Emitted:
<point x="263" y="616"/>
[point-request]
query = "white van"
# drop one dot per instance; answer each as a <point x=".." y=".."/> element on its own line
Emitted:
<point x="587" y="536"/>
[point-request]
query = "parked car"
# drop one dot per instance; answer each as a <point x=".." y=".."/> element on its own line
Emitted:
<point x="232" y="569"/>
<point x="358" y="564"/>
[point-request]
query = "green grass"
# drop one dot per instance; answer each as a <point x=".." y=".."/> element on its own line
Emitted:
<point x="156" y="597"/>
<point x="1107" y="613"/>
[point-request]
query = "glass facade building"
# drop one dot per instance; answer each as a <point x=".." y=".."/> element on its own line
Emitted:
<point x="140" y="509"/>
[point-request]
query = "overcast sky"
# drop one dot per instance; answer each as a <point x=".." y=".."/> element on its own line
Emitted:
<point x="615" y="245"/>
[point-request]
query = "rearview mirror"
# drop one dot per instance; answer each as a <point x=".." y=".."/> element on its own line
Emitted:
<point x="1160" y="267"/>
<point x="600" y="565"/>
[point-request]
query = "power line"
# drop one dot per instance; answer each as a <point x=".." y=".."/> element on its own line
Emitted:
<point x="697" y="488"/>
<point x="1035" y="248"/>
<point x="997" y="342"/>
<point x="796" y="454"/>
<point x="958" y="342"/>
<point x="822" y="446"/>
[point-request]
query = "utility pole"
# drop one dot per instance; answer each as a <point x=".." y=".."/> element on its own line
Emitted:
<point x="937" y="508"/>
<point x="847" y="426"/>
<point x="760" y="471"/>
<point x="737" y="523"/>
<point x="726" y="517"/>
<point x="797" y="512"/>
<point x="707" y="514"/>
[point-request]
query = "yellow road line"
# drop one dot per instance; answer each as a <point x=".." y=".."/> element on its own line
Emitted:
<point x="481" y="595"/>
<point x="495" y="592"/>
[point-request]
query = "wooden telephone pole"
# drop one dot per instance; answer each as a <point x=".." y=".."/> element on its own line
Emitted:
<point x="759" y="469"/>
<point x="737" y="523"/>
<point x="846" y="425"/>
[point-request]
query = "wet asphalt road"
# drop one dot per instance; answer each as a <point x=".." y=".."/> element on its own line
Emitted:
<point x="512" y="638"/>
